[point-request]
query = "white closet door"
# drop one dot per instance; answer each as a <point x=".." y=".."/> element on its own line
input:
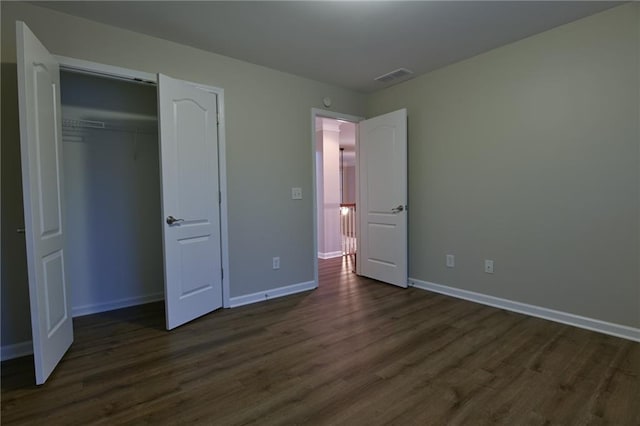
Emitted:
<point x="190" y="206"/>
<point x="41" y="150"/>
<point x="382" y="157"/>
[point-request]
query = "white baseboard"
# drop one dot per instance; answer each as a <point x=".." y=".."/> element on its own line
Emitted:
<point x="261" y="296"/>
<point x="612" y="329"/>
<point x="79" y="311"/>
<point x="16" y="350"/>
<point x="330" y="255"/>
<point x="26" y="348"/>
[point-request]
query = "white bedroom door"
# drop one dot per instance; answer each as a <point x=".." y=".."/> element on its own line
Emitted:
<point x="43" y="197"/>
<point x="190" y="200"/>
<point x="382" y="159"/>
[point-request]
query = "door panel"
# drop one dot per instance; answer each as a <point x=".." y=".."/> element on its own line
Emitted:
<point x="41" y="151"/>
<point x="189" y="169"/>
<point x="382" y="157"/>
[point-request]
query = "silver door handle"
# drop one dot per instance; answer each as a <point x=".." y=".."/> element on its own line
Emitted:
<point x="171" y="220"/>
<point x="20" y="230"/>
<point x="398" y="209"/>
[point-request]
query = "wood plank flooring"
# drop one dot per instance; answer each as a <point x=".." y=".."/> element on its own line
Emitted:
<point x="352" y="352"/>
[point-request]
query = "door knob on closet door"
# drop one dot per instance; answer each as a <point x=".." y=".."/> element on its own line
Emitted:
<point x="398" y="209"/>
<point x="171" y="220"/>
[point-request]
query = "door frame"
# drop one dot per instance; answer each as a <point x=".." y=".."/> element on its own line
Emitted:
<point x="109" y="71"/>
<point x="323" y="113"/>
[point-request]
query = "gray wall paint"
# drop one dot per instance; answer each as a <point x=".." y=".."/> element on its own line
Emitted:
<point x="528" y="155"/>
<point x="268" y="149"/>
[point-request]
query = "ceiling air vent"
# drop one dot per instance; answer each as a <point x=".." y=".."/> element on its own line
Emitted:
<point x="398" y="74"/>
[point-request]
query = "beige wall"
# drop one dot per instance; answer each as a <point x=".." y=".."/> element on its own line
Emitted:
<point x="268" y="149"/>
<point x="528" y="155"/>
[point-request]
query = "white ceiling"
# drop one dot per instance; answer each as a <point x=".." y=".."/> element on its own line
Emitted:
<point x="346" y="43"/>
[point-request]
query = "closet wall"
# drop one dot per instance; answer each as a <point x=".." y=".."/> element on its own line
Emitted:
<point x="112" y="192"/>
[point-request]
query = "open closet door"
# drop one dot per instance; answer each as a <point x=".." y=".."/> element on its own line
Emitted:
<point x="41" y="151"/>
<point x="382" y="159"/>
<point x="190" y="200"/>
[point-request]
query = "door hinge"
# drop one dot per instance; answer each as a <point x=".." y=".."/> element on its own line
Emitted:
<point x="222" y="274"/>
<point x="219" y="197"/>
<point x="218" y="118"/>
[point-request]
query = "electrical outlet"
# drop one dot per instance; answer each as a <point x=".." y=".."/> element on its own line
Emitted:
<point x="276" y="263"/>
<point x="296" y="193"/>
<point x="488" y="266"/>
<point x="451" y="261"/>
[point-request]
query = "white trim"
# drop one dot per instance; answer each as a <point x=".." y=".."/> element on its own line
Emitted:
<point x="16" y="350"/>
<point x="224" y="215"/>
<point x="330" y="255"/>
<point x="357" y="171"/>
<point x="592" y="324"/>
<point x="106" y="70"/>
<point x="79" y="311"/>
<point x="261" y="296"/>
<point x="328" y="126"/>
<point x="317" y="112"/>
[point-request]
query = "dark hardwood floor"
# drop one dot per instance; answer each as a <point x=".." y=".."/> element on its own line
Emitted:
<point x="352" y="352"/>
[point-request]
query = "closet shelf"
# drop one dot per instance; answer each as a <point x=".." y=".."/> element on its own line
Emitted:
<point x="74" y="118"/>
<point x="83" y="124"/>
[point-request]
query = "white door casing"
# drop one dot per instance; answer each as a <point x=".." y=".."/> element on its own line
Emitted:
<point x="382" y="203"/>
<point x="190" y="185"/>
<point x="41" y="152"/>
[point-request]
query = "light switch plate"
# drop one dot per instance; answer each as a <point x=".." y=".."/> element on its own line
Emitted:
<point x="296" y="193"/>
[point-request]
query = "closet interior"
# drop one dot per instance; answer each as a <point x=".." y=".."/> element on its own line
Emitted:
<point x="112" y="192"/>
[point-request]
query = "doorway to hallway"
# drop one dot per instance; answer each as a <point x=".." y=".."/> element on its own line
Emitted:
<point x="335" y="161"/>
<point x="380" y="216"/>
